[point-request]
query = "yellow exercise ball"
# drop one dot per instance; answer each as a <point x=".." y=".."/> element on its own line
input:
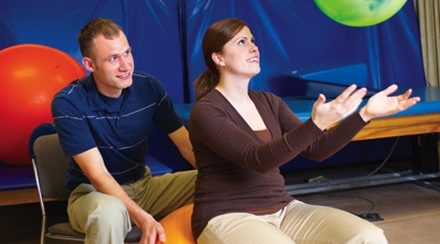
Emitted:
<point x="358" y="13"/>
<point x="177" y="226"/>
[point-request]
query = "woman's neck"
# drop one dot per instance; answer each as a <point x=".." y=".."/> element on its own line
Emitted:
<point x="236" y="91"/>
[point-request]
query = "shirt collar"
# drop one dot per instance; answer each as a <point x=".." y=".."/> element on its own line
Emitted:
<point x="95" y="99"/>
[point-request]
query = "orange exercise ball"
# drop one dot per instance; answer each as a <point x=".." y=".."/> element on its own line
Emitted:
<point x="177" y="226"/>
<point x="30" y="75"/>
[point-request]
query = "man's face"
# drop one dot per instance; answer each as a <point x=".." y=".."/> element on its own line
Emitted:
<point x="112" y="64"/>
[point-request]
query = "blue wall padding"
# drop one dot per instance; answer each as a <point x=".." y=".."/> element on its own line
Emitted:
<point x="335" y="74"/>
<point x="294" y="37"/>
<point x="154" y="34"/>
<point x="166" y="35"/>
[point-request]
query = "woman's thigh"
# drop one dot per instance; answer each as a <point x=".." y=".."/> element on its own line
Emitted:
<point x="239" y="228"/>
<point x="307" y="223"/>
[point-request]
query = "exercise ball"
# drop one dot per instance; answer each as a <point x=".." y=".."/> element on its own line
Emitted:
<point x="358" y="13"/>
<point x="30" y="75"/>
<point x="177" y="226"/>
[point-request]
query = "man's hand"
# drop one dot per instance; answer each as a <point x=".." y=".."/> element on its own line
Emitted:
<point x="93" y="166"/>
<point x="152" y="231"/>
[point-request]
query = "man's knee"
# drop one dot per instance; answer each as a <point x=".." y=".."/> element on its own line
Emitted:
<point x="97" y="212"/>
<point x="108" y="211"/>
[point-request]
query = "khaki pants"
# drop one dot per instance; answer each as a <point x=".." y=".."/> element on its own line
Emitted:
<point x="296" y="223"/>
<point x="104" y="218"/>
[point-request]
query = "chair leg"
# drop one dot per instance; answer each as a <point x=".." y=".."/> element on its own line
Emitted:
<point x="43" y="229"/>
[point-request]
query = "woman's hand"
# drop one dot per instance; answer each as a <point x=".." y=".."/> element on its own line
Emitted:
<point x="381" y="104"/>
<point x="325" y="114"/>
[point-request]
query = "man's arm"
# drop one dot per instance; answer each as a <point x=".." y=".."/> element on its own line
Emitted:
<point x="92" y="164"/>
<point x="180" y="138"/>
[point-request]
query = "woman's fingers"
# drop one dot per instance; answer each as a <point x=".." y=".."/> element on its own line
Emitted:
<point x="346" y="93"/>
<point x="405" y="95"/>
<point x="357" y="96"/>
<point x="390" y="89"/>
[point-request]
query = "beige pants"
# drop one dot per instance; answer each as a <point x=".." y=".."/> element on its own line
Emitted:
<point x="296" y="223"/>
<point x="104" y="218"/>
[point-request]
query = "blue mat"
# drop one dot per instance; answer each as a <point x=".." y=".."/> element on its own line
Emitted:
<point x="20" y="177"/>
<point x="16" y="177"/>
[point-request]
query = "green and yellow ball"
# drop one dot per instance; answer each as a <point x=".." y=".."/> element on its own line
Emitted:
<point x="359" y="13"/>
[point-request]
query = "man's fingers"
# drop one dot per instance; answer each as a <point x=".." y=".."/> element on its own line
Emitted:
<point x="161" y="233"/>
<point x="152" y="237"/>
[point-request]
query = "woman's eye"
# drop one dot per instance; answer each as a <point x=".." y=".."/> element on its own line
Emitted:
<point x="241" y="42"/>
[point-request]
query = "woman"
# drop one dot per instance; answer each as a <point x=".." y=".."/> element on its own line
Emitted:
<point x="241" y="138"/>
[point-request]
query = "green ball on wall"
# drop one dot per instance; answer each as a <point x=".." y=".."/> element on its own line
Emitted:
<point x="360" y="13"/>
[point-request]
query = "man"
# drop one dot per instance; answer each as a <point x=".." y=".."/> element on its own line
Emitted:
<point x="103" y="121"/>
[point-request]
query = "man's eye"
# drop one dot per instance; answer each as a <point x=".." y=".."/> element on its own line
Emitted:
<point x="112" y="59"/>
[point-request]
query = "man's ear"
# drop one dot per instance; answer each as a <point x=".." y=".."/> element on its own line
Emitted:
<point x="88" y="63"/>
<point x="218" y="59"/>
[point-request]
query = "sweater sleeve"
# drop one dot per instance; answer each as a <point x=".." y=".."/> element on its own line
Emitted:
<point x="212" y="128"/>
<point x="335" y="138"/>
<point x="328" y="143"/>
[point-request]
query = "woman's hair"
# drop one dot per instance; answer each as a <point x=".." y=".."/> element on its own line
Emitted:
<point x="215" y="37"/>
<point x="100" y="26"/>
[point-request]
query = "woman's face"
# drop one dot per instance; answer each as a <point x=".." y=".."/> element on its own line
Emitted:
<point x="240" y="55"/>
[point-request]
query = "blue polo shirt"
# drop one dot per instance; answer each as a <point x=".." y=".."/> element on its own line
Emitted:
<point x="119" y="127"/>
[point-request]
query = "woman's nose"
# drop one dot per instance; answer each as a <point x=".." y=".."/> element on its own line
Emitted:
<point x="254" y="47"/>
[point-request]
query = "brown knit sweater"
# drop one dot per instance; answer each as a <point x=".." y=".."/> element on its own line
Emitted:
<point x="237" y="171"/>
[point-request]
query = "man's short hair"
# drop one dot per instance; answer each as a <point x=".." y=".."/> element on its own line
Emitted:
<point x="100" y="26"/>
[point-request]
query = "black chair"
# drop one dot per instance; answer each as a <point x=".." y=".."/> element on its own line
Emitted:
<point x="50" y="165"/>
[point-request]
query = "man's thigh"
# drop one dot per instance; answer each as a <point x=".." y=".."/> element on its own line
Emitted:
<point x="85" y="201"/>
<point x="160" y="195"/>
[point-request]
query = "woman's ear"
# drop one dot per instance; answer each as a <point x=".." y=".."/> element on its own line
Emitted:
<point x="218" y="59"/>
<point x="88" y="63"/>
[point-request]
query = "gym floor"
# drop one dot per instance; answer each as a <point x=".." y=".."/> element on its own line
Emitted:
<point x="410" y="210"/>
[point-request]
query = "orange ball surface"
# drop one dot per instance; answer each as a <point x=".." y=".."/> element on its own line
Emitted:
<point x="177" y="226"/>
<point x="30" y="75"/>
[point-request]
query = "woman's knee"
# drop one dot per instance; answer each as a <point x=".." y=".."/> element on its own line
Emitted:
<point x="369" y="234"/>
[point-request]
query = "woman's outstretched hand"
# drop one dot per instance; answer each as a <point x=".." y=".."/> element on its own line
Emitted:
<point x="325" y="114"/>
<point x="381" y="104"/>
